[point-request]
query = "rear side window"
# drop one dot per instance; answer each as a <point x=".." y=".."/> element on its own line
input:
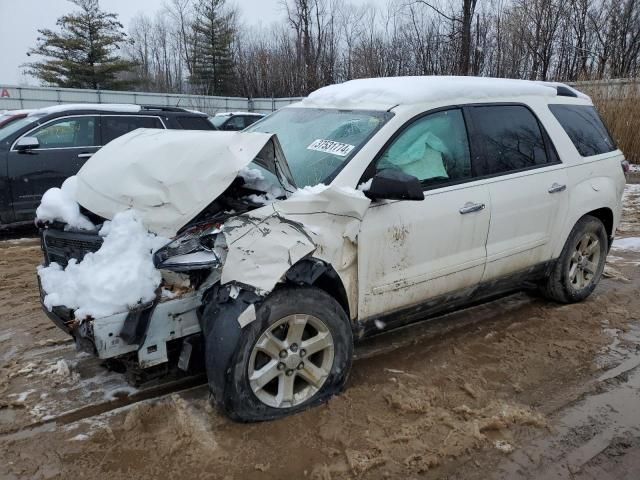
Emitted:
<point x="510" y="138"/>
<point x="194" y="123"/>
<point x="114" y="127"/>
<point x="585" y="128"/>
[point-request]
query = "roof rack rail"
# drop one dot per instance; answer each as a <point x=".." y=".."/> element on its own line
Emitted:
<point x="162" y="108"/>
<point x="564" y="91"/>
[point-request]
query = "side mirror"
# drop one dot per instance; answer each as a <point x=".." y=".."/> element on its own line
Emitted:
<point x="392" y="184"/>
<point x="27" y="143"/>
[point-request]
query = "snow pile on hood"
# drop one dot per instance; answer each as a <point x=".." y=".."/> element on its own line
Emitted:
<point x="59" y="204"/>
<point x="118" y="276"/>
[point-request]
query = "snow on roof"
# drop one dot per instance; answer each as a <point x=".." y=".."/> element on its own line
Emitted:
<point x="107" y="107"/>
<point x="16" y="112"/>
<point x="391" y="91"/>
<point x="229" y="114"/>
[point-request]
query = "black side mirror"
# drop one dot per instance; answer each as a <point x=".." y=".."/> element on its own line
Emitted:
<point x="27" y="143"/>
<point x="392" y="184"/>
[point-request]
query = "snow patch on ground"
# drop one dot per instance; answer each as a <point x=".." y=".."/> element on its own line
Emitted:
<point x="118" y="276"/>
<point x="59" y="204"/>
<point x="630" y="243"/>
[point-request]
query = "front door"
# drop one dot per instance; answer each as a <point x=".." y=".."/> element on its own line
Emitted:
<point x="412" y="251"/>
<point x="65" y="144"/>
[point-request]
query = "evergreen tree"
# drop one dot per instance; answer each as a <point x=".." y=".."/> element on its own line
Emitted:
<point x="83" y="54"/>
<point x="214" y="31"/>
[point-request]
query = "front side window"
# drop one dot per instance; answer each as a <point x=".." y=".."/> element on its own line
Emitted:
<point x="114" y="127"/>
<point x="510" y="137"/>
<point x="585" y="128"/>
<point x="67" y="133"/>
<point x="434" y="149"/>
<point x="318" y="142"/>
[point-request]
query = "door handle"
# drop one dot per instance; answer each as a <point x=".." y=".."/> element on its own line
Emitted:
<point x="556" y="187"/>
<point x="85" y="155"/>
<point x="470" y="207"/>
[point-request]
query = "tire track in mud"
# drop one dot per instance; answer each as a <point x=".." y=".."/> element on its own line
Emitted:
<point x="95" y="409"/>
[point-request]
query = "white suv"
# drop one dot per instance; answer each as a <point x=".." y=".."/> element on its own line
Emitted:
<point x="368" y="205"/>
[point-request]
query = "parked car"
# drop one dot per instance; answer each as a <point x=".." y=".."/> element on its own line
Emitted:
<point x="367" y="206"/>
<point x="234" y="120"/>
<point x="45" y="146"/>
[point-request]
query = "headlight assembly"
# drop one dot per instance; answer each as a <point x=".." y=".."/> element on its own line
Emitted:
<point x="196" y="248"/>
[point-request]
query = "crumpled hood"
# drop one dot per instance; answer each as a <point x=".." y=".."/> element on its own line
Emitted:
<point x="169" y="176"/>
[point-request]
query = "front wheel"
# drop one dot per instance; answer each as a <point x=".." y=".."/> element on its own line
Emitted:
<point x="296" y="354"/>
<point x="580" y="265"/>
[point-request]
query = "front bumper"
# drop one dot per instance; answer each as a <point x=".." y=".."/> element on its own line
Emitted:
<point x="171" y="320"/>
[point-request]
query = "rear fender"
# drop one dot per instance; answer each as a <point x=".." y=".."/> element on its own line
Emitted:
<point x="589" y="195"/>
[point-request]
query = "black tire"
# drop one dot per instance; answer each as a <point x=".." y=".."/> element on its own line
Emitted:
<point x="238" y="400"/>
<point x="559" y="286"/>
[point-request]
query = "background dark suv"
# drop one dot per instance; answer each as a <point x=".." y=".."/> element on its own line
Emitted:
<point x="42" y="149"/>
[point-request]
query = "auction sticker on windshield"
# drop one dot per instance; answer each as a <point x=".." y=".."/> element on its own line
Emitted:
<point x="329" y="146"/>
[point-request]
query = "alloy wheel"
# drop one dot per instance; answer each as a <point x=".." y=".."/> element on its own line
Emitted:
<point x="584" y="261"/>
<point x="291" y="361"/>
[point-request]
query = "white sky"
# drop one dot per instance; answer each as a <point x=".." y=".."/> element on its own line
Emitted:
<point x="21" y="19"/>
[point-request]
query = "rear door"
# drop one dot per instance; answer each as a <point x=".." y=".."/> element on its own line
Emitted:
<point x="527" y="185"/>
<point x="65" y="144"/>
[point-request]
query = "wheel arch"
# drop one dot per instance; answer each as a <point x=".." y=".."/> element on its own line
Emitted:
<point x="605" y="215"/>
<point x="314" y="272"/>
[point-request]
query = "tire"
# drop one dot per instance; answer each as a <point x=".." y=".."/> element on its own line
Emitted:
<point x="579" y="267"/>
<point x="292" y="383"/>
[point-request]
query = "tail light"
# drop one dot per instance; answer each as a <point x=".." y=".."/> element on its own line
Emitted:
<point x="625" y="166"/>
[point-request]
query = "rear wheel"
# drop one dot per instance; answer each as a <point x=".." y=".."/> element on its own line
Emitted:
<point x="579" y="268"/>
<point x="296" y="354"/>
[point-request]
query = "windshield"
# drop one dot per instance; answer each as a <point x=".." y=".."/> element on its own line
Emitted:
<point x="319" y="142"/>
<point x="12" y="127"/>
<point x="218" y="121"/>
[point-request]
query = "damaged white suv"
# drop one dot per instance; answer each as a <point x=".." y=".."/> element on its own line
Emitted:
<point x="368" y="205"/>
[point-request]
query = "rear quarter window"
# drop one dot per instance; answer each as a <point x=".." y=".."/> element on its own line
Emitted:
<point x="585" y="128"/>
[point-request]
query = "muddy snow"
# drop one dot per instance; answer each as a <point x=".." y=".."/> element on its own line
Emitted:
<point x="518" y="388"/>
